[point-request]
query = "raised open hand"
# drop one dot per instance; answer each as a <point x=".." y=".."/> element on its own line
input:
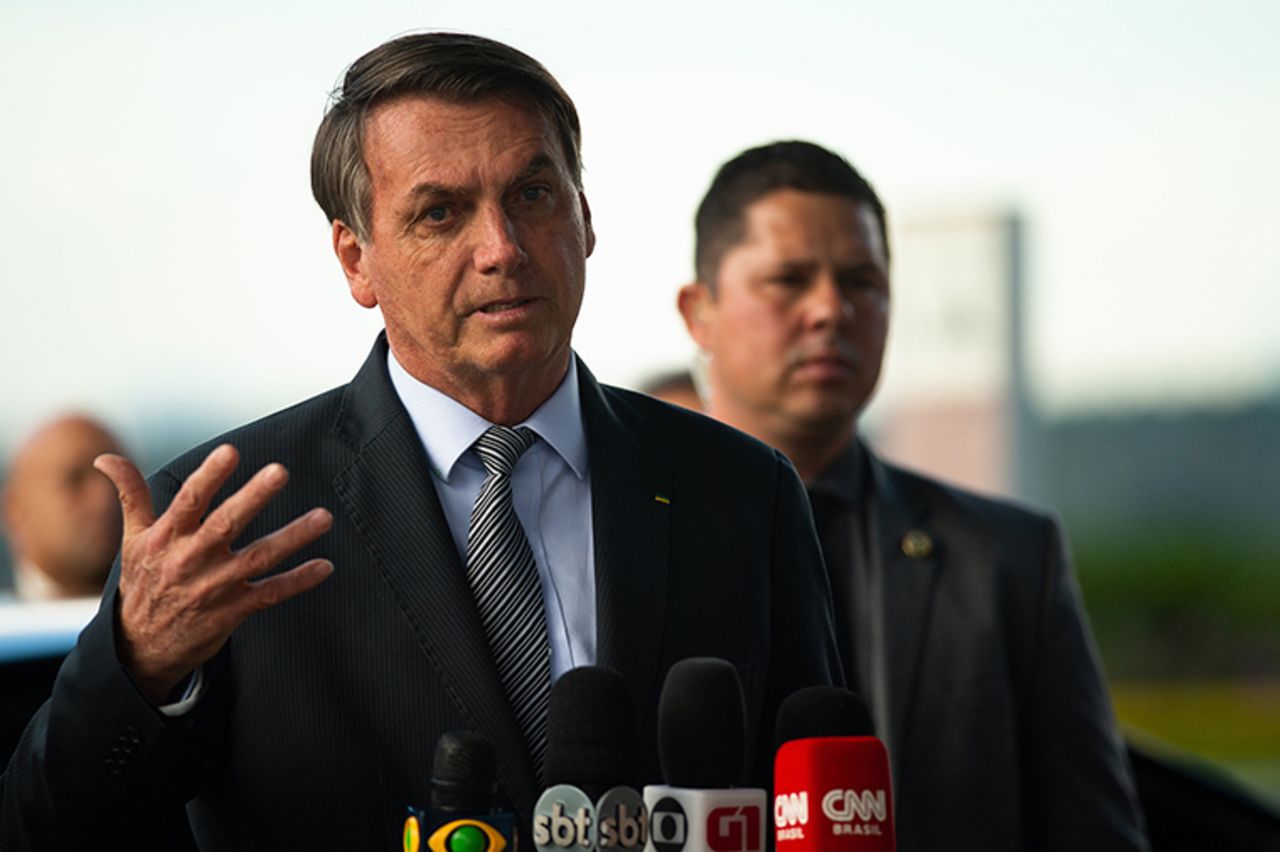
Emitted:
<point x="183" y="590"/>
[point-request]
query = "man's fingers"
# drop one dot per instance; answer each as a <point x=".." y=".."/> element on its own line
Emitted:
<point x="273" y="590"/>
<point x="135" y="499"/>
<point x="228" y="520"/>
<point x="270" y="550"/>
<point x="193" y="498"/>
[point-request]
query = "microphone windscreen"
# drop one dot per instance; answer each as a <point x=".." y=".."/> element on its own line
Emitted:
<point x="702" y="724"/>
<point x="464" y="773"/>
<point x="590" y="731"/>
<point x="823" y="711"/>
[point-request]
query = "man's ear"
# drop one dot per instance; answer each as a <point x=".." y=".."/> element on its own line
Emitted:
<point x="586" y="223"/>
<point x="697" y="305"/>
<point x="352" y="256"/>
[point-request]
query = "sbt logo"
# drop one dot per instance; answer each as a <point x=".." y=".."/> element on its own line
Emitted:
<point x="849" y="805"/>
<point x="568" y="822"/>
<point x="790" y="809"/>
<point x="563" y="829"/>
<point x="622" y="820"/>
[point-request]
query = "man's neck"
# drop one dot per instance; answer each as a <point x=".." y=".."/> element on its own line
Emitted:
<point x="811" y="457"/>
<point x="812" y="449"/>
<point x="32" y="584"/>
<point x="507" y="398"/>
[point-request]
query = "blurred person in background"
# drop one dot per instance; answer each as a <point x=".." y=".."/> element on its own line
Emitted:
<point x="61" y="515"/>
<point x="677" y="387"/>
<point x="958" y="616"/>
<point x="63" y="525"/>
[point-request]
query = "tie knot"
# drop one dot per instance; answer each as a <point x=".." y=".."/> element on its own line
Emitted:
<point x="501" y="446"/>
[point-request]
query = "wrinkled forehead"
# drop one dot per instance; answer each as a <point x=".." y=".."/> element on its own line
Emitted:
<point x="456" y="124"/>
<point x="426" y="138"/>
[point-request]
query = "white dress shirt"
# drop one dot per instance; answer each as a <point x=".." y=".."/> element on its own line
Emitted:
<point x="550" y="487"/>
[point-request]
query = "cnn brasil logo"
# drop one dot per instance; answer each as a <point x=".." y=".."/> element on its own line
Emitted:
<point x="851" y="812"/>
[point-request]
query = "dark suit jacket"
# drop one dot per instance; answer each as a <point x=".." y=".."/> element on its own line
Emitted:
<point x="1001" y="732"/>
<point x="319" y="718"/>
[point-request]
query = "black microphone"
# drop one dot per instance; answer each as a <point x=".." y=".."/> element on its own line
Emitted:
<point x="702" y="748"/>
<point x="590" y="767"/>
<point x="832" y="789"/>
<point x="464" y="781"/>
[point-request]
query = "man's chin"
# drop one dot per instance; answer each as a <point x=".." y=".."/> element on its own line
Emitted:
<point x="524" y="353"/>
<point x="823" y="418"/>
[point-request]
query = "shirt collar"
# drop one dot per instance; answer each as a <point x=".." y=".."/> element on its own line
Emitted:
<point x="447" y="428"/>
<point x="844" y="479"/>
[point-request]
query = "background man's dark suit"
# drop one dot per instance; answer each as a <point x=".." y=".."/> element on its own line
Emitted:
<point x="318" y="719"/>
<point x="981" y="671"/>
<point x="989" y="663"/>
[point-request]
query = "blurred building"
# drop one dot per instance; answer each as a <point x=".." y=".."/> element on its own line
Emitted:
<point x="954" y="401"/>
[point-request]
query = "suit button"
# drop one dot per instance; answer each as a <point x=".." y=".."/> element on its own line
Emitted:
<point x="917" y="544"/>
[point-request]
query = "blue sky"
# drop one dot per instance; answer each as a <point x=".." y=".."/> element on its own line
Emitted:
<point x="162" y="253"/>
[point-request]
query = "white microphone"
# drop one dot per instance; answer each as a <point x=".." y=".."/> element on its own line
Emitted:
<point x="702" y="723"/>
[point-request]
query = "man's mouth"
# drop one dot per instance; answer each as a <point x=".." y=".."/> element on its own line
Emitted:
<point x="825" y="361"/>
<point x="836" y="357"/>
<point x="499" y="307"/>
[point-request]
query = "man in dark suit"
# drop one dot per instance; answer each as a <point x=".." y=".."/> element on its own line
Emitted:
<point x="958" y="617"/>
<point x="297" y="707"/>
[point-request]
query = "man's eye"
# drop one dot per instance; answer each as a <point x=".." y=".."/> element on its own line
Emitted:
<point x="436" y="214"/>
<point x="533" y="193"/>
<point x="861" y="284"/>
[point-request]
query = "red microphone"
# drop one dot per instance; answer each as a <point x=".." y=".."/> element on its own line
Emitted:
<point x="831" y="783"/>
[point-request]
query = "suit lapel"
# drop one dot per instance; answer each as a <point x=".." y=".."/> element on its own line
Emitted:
<point x="911" y="561"/>
<point x="629" y="482"/>
<point x="388" y="492"/>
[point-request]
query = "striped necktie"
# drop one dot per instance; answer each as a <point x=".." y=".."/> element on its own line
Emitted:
<point x="504" y="579"/>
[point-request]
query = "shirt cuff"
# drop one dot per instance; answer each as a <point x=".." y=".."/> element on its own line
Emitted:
<point x="190" y="695"/>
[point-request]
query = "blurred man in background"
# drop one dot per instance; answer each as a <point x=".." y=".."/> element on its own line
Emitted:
<point x="677" y="387"/>
<point x="61" y="515"/>
<point x="63" y="524"/>
<point x="958" y="616"/>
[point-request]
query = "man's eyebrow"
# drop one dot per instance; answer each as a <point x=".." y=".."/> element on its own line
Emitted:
<point x="539" y="163"/>
<point x="429" y="188"/>
<point x="867" y="267"/>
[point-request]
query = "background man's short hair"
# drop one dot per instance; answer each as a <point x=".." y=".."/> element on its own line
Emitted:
<point x="453" y="66"/>
<point x="720" y="223"/>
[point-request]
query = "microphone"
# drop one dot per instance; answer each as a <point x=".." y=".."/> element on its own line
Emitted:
<point x="590" y="802"/>
<point x="702" y="749"/>
<point x="832" y="790"/>
<point x="464" y="779"/>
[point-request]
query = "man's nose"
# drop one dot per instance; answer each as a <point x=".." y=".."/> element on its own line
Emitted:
<point x="826" y="302"/>
<point x="498" y="250"/>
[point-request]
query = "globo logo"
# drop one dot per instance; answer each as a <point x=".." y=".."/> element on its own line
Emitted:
<point x="668" y="826"/>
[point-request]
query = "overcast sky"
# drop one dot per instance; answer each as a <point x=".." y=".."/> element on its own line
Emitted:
<point x="162" y="254"/>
